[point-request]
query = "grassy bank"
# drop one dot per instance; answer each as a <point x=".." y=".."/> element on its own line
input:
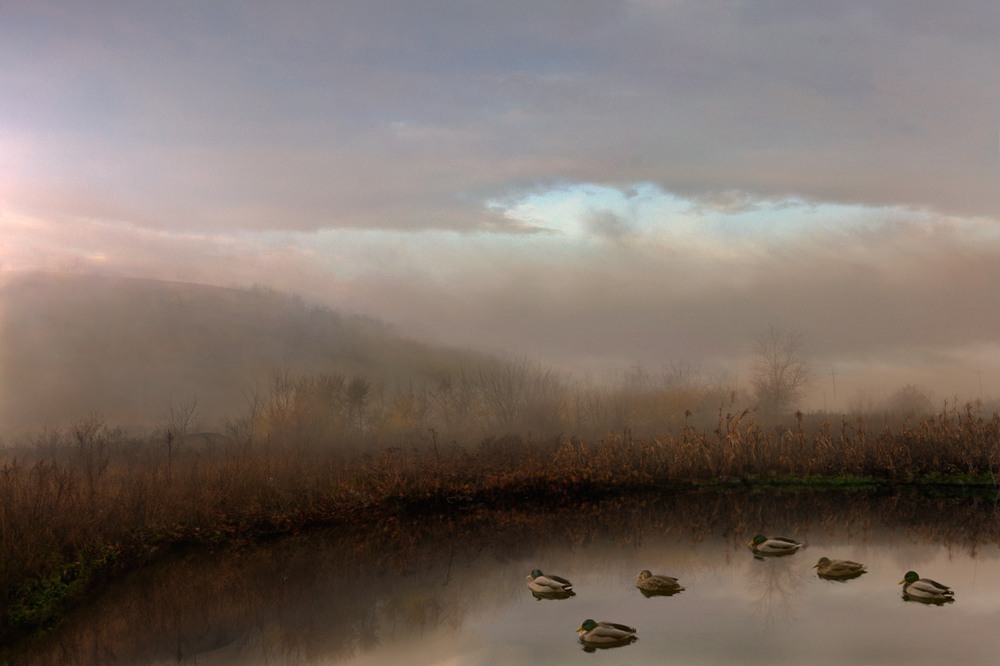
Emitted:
<point x="81" y="506"/>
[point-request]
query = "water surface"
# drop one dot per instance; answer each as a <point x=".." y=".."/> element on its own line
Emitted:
<point x="452" y="590"/>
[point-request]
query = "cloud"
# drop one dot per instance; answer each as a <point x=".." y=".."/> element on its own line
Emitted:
<point x="233" y="116"/>
<point x="616" y="180"/>
<point x="855" y="286"/>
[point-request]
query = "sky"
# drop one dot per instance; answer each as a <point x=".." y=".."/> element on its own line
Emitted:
<point x="592" y="183"/>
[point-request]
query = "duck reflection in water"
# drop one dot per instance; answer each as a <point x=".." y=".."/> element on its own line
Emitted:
<point x="595" y="635"/>
<point x="549" y="587"/>
<point x="775" y="590"/>
<point x="652" y="585"/>
<point x="838" y="569"/>
<point x="925" y="590"/>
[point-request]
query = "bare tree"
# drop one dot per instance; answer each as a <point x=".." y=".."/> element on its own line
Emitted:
<point x="518" y="390"/>
<point x="179" y="416"/>
<point x="453" y="400"/>
<point x="357" y="392"/>
<point x="779" y="374"/>
<point x="910" y="401"/>
<point x="244" y="428"/>
<point x="281" y="401"/>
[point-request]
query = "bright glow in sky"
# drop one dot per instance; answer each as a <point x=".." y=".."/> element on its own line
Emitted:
<point x="591" y="184"/>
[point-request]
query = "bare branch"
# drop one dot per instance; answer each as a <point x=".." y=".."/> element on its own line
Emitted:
<point x="779" y="374"/>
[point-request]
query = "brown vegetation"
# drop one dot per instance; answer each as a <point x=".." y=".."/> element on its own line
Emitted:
<point x="80" y="505"/>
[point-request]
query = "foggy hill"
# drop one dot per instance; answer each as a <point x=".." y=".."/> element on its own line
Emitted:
<point x="127" y="348"/>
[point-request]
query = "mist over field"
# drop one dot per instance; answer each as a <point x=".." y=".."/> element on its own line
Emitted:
<point x="133" y="350"/>
<point x="150" y="356"/>
<point x="611" y="190"/>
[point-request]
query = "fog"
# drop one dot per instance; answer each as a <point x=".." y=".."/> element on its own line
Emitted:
<point x="172" y="359"/>
<point x="589" y="187"/>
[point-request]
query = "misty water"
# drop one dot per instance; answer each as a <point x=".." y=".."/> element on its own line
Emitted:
<point x="452" y="589"/>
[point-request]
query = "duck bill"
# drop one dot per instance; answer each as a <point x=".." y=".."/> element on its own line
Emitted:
<point x="901" y="582"/>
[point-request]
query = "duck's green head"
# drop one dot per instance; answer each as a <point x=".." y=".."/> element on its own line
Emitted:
<point x="910" y="577"/>
<point x="760" y="538"/>
<point x="536" y="573"/>
<point x="587" y="625"/>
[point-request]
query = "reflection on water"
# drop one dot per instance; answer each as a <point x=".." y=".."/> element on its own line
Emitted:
<point x="451" y="589"/>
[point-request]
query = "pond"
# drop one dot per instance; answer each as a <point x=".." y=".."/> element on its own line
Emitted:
<point x="452" y="589"/>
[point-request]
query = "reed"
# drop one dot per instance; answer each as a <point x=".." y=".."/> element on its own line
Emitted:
<point x="80" y="506"/>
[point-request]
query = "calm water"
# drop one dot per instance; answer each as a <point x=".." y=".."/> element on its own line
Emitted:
<point x="453" y="590"/>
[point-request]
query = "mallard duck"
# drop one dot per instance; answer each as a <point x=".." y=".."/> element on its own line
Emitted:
<point x="925" y="589"/>
<point x="549" y="586"/>
<point x="762" y="545"/>
<point x="605" y="634"/>
<point x="839" y="569"/>
<point x="651" y="583"/>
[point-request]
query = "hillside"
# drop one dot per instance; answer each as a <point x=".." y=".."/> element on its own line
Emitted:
<point x="128" y="348"/>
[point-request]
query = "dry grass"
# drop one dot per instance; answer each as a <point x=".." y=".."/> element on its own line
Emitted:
<point x="87" y="503"/>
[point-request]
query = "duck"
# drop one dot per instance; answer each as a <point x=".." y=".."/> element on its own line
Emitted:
<point x="605" y="634"/>
<point x="925" y="589"/>
<point x="549" y="586"/>
<point x="651" y="583"/>
<point x="838" y="569"/>
<point x="762" y="545"/>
